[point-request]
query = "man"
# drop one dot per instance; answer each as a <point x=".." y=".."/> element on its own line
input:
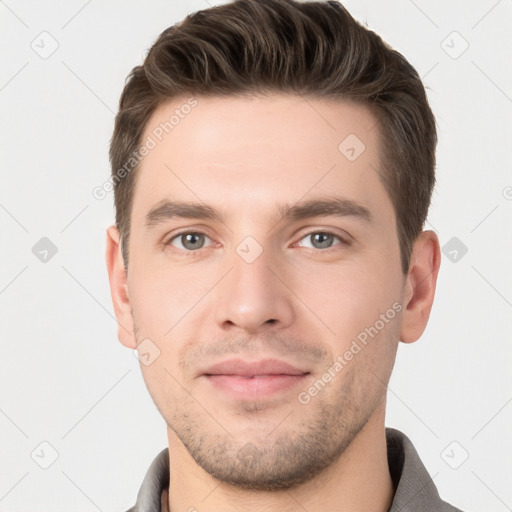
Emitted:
<point x="273" y="163"/>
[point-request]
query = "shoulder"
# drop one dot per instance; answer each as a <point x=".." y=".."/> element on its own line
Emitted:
<point x="154" y="483"/>
<point x="414" y="487"/>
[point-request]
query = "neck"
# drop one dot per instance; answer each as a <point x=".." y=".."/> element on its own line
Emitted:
<point x="358" y="480"/>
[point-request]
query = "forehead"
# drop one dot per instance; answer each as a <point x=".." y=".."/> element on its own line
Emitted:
<point x="254" y="151"/>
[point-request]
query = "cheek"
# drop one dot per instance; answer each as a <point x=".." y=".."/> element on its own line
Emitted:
<point x="161" y="382"/>
<point x="351" y="303"/>
<point x="161" y="298"/>
<point x="347" y="298"/>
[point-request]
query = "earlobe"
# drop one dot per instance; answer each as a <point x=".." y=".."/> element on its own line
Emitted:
<point x="420" y="286"/>
<point x="119" y="288"/>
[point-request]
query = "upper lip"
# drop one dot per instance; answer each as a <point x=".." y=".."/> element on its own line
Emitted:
<point x="251" y="368"/>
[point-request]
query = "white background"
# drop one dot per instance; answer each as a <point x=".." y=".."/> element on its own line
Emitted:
<point x="64" y="377"/>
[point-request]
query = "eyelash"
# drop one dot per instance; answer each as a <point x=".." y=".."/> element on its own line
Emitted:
<point x="343" y="241"/>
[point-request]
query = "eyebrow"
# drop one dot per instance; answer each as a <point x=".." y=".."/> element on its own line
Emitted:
<point x="336" y="206"/>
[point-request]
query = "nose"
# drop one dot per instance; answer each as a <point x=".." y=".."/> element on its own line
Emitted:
<point x="254" y="296"/>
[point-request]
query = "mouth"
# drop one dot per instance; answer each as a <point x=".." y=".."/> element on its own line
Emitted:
<point x="253" y="379"/>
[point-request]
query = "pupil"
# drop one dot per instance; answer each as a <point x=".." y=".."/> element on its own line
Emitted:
<point x="191" y="240"/>
<point x="323" y="239"/>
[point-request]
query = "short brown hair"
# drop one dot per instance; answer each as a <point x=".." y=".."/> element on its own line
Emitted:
<point x="311" y="48"/>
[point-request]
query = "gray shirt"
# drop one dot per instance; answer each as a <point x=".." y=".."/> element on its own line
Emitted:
<point x="414" y="489"/>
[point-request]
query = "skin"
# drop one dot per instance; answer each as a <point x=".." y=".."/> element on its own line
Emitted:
<point x="303" y="300"/>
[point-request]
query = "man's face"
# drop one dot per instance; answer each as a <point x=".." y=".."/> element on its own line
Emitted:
<point x="251" y="308"/>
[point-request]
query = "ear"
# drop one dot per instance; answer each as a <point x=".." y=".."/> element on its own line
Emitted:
<point x="119" y="289"/>
<point x="420" y="286"/>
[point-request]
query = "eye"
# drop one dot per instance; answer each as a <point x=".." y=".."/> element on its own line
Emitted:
<point x="323" y="239"/>
<point x="189" y="241"/>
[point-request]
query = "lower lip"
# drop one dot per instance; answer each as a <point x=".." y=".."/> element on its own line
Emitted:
<point x="255" y="387"/>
